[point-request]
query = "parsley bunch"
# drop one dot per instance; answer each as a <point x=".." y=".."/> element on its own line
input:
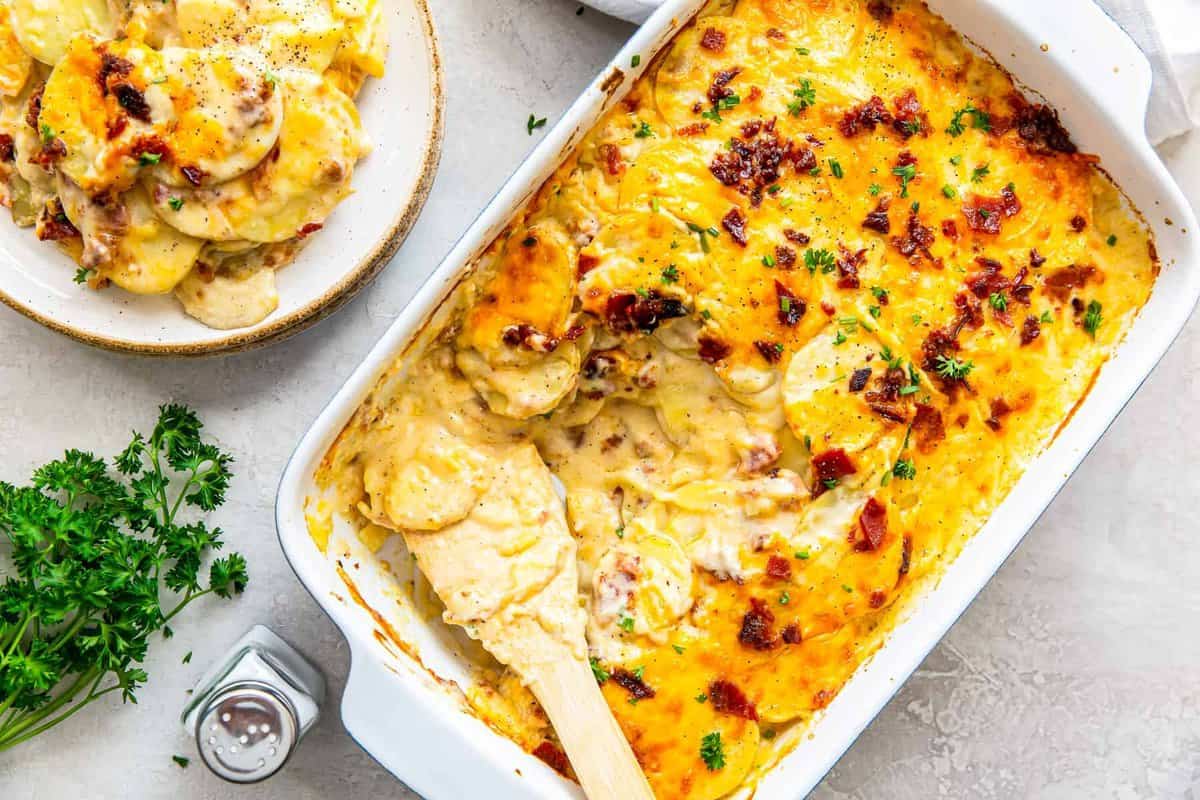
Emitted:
<point x="91" y="556"/>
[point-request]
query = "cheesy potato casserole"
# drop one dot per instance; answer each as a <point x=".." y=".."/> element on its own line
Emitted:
<point x="183" y="145"/>
<point x="788" y="324"/>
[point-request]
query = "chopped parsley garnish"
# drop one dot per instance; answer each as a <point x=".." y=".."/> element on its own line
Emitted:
<point x="836" y="168"/>
<point x="950" y="367"/>
<point x="175" y="203"/>
<point x="979" y="120"/>
<point x="635" y="61"/>
<point x="916" y="319"/>
<point x="980" y="172"/>
<point x="599" y="672"/>
<point x="701" y="698"/>
<point x="874" y="189"/>
<point x="802" y="555"/>
<point x="956" y="160"/>
<point x="949" y="192"/>
<point x="620" y="531"/>
<point x="905" y="469"/>
<point x="821" y="258"/>
<point x="182" y="761"/>
<point x="712" y="752"/>
<point x="149" y="159"/>
<point x="875" y="311"/>
<point x="784" y="599"/>
<point x="82" y="274"/>
<point x="271" y="79"/>
<point x="785" y="304"/>
<point x="830" y="483"/>
<point x="187" y="657"/>
<point x="626" y="623"/>
<point x="641" y="292"/>
<point x="639" y="672"/>
<point x="1092" y="318"/>
<point x="47" y="133"/>
<point x="533" y="123"/>
<point x="912" y="127"/>
<point x="1112" y="240"/>
<point x="802" y="51"/>
<point x="678" y="649"/>
<point x="1047" y="317"/>
<point x="670" y="274"/>
<point x="847" y="588"/>
<point x="905" y="173"/>
<point x="849" y="324"/>
<point x="840" y="338"/>
<point x="805" y="97"/>
<point x="706" y="314"/>
<point x="768" y="260"/>
<point x="644" y="131"/>
<point x="998" y="301"/>
<point x="703" y="234"/>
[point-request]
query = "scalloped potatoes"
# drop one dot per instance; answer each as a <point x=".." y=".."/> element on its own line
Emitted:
<point x="188" y="147"/>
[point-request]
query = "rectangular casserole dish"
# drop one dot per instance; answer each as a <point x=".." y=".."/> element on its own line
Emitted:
<point x="1084" y="66"/>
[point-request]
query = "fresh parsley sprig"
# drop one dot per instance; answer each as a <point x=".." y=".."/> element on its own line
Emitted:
<point x="91" y="554"/>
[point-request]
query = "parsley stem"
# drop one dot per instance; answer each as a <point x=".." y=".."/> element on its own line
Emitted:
<point x="19" y="724"/>
<point x="6" y="743"/>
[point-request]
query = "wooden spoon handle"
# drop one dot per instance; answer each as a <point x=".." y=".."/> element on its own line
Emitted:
<point x="599" y="752"/>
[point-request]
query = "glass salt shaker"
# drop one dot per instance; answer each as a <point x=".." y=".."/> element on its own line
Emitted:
<point x="250" y="710"/>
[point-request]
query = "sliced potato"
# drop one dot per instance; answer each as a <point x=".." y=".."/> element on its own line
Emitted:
<point x="296" y="33"/>
<point x="229" y="300"/>
<point x="45" y="27"/>
<point x="15" y="62"/>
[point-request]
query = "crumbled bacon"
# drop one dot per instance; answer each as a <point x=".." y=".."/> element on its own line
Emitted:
<point x="735" y="223"/>
<point x="130" y="98"/>
<point x="985" y="214"/>
<point x="556" y="759"/>
<point x="150" y="145"/>
<point x="878" y="219"/>
<point x="791" y="634"/>
<point x="727" y="698"/>
<point x="626" y="312"/>
<point x="53" y="225"/>
<point x="877" y="599"/>
<point x="719" y="89"/>
<point x="712" y="350"/>
<point x="928" y="427"/>
<point x="308" y="229"/>
<point x="751" y="165"/>
<point x="1078" y="223"/>
<point x="999" y="410"/>
<point x="873" y="522"/>
<point x="909" y="119"/>
<point x="905" y="556"/>
<point x="713" y="40"/>
<point x="796" y="237"/>
<point x="791" y="308"/>
<point x="1040" y="128"/>
<point x="1036" y="259"/>
<point x="988" y="280"/>
<point x="587" y="262"/>
<point x="779" y="568"/>
<point x="1031" y="329"/>
<point x="950" y="229"/>
<point x="757" y="627"/>
<point x="785" y="257"/>
<point x="881" y="10"/>
<point x="915" y="242"/>
<point x="751" y="129"/>
<point x="859" y="378"/>
<point x="528" y="337"/>
<point x="1060" y="283"/>
<point x="194" y="175"/>
<point x="864" y="117"/>
<point x="34" y="109"/>
<point x="631" y="683"/>
<point x="1021" y="291"/>
<point x="611" y="154"/>
<point x="695" y="129"/>
<point x="970" y="310"/>
<point x="7" y="149"/>
<point x="771" y="351"/>
<point x="111" y="65"/>
<point x="847" y="267"/>
<point x="49" y="154"/>
<point x="830" y="467"/>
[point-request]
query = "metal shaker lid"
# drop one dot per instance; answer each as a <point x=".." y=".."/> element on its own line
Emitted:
<point x="246" y="732"/>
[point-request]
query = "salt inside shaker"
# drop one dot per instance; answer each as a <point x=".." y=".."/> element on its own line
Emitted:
<point x="250" y="710"/>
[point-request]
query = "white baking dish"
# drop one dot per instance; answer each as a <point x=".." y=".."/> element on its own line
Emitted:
<point x="1086" y="67"/>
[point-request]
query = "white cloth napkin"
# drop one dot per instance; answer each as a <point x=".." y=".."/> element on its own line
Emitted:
<point x="1168" y="31"/>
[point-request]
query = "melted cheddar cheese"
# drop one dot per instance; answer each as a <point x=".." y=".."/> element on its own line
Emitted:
<point x="788" y="325"/>
<point x="186" y="147"/>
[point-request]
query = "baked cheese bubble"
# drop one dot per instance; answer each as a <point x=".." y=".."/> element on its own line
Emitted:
<point x="289" y="193"/>
<point x="45" y="27"/>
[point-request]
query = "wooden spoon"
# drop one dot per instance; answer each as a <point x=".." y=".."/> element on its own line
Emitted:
<point x="507" y="574"/>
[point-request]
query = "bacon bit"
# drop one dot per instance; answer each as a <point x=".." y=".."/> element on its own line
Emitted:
<point x="915" y="242"/>
<point x="752" y="165"/>
<point x="528" y="337"/>
<point x="795" y="306"/>
<point x="950" y="229"/>
<point x="753" y="94"/>
<point x="53" y="224"/>
<point x="1031" y="329"/>
<point x="597" y="366"/>
<point x="823" y="698"/>
<point x="626" y="312"/>
<point x="1036" y="259"/>
<point x="7" y="148"/>
<point x="112" y="65"/>
<point x="796" y="237"/>
<point x="727" y="698"/>
<point x="859" y="378"/>
<point x="970" y="310"/>
<point x="130" y="98"/>
<point x="752" y="128"/>
<point x="308" y="229"/>
<point x="713" y="350"/>
<point x="116" y="126"/>
<point x="587" y="262"/>
<point x="611" y="155"/>
<point x="873" y="522"/>
<point x="205" y="272"/>
<point x="1040" y="128"/>
<point x="1060" y="283"/>
<point x="828" y="308"/>
<point x="877" y="599"/>
<point x="804" y="159"/>
<point x="194" y="175"/>
<point x="905" y="556"/>
<point x="1021" y="291"/>
<point x="928" y="427"/>
<point x="832" y="465"/>
<point x="878" y="219"/>
<point x="1000" y="409"/>
<point x="984" y="214"/>
<point x="556" y="759"/>
<point x="1078" y="223"/>
<point x="785" y="257"/>
<point x="713" y="40"/>
<point x="695" y="129"/>
<point x="756" y="629"/>
<point x="719" y="89"/>
<point x="735" y="223"/>
<point x="771" y="351"/>
<point x="864" y="117"/>
<point x="49" y="154"/>
<point x="988" y="280"/>
<point x="34" y="109"/>
<point x="150" y="145"/>
<point x="910" y="118"/>
<point x="779" y="569"/>
<point x="848" y="266"/>
<point x="881" y="10"/>
<point x="791" y="634"/>
<point x="631" y="683"/>
<point x="775" y="33"/>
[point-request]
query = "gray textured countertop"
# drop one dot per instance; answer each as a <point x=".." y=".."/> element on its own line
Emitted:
<point x="1074" y="675"/>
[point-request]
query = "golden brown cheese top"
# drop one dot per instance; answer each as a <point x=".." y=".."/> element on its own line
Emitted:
<point x="788" y="325"/>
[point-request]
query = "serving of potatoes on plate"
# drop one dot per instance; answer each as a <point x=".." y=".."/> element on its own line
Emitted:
<point x="188" y="147"/>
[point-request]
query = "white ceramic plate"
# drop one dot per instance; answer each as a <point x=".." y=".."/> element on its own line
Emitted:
<point x="402" y="113"/>
<point x="1088" y="69"/>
